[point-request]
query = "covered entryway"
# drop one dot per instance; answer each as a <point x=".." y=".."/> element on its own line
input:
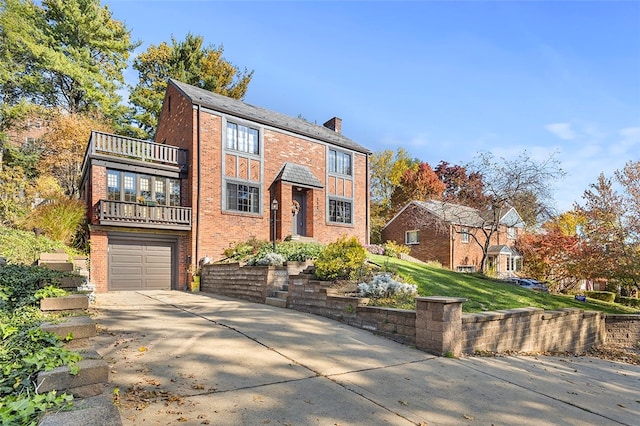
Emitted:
<point x="141" y="263"/>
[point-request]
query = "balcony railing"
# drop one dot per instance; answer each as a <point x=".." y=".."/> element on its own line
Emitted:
<point x="122" y="213"/>
<point x="137" y="149"/>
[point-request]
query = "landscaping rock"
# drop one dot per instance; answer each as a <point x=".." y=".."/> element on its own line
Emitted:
<point x="81" y="327"/>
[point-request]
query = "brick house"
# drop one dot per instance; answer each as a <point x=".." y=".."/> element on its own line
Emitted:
<point x="209" y="181"/>
<point x="447" y="233"/>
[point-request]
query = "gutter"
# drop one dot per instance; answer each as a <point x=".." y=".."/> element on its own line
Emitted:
<point x="197" y="203"/>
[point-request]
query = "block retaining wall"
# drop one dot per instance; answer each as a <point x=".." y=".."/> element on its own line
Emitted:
<point x="438" y="325"/>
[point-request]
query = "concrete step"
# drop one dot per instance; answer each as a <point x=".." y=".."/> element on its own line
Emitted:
<point x="276" y="301"/>
<point x="90" y="380"/>
<point x="74" y="302"/>
<point x="96" y="411"/>
<point x="282" y="294"/>
<point x="81" y="327"/>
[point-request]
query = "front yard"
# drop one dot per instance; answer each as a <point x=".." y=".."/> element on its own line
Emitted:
<point x="485" y="294"/>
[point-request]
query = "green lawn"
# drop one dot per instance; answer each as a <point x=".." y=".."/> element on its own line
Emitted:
<point x="484" y="294"/>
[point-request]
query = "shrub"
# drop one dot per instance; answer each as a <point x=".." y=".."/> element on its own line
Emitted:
<point x="629" y="301"/>
<point x="271" y="259"/>
<point x="384" y="290"/>
<point x="343" y="259"/>
<point x="605" y="296"/>
<point x="23" y="247"/>
<point x="375" y="249"/>
<point x="291" y="251"/>
<point x="383" y="285"/>
<point x="392" y="249"/>
<point x="243" y="250"/>
<point x="59" y="220"/>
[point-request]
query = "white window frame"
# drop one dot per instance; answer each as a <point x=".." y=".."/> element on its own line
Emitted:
<point x="415" y="240"/>
<point x="511" y="233"/>
<point x="464" y="235"/>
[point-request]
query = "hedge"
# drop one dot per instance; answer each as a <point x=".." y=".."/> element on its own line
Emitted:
<point x="605" y="296"/>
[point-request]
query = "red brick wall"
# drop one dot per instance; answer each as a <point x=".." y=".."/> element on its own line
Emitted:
<point x="439" y="242"/>
<point x="98" y="266"/>
<point x="219" y="230"/>
<point x="434" y="241"/>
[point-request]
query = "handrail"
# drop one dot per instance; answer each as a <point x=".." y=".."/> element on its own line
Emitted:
<point x="122" y="211"/>
<point x="136" y="148"/>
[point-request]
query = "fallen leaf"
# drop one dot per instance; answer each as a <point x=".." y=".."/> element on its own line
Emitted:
<point x="468" y="417"/>
<point x="403" y="402"/>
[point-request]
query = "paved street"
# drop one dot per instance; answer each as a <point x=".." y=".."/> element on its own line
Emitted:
<point x="182" y="358"/>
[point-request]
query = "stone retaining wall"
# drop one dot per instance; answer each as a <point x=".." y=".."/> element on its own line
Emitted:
<point x="532" y="330"/>
<point x="623" y="330"/>
<point x="252" y="283"/>
<point x="438" y="325"/>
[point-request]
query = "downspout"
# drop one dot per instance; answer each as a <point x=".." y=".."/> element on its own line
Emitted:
<point x="451" y="246"/>
<point x="197" y="203"/>
<point x="367" y="207"/>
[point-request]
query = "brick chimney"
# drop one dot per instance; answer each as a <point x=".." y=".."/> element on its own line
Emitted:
<point x="334" y="124"/>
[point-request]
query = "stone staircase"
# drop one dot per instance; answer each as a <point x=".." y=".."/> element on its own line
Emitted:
<point x="91" y="405"/>
<point x="279" y="297"/>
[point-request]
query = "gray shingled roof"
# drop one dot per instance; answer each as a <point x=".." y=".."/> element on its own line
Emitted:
<point x="455" y="213"/>
<point x="240" y="109"/>
<point x="298" y="175"/>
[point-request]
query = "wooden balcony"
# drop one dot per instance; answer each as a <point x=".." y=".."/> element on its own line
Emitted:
<point x="106" y="145"/>
<point x="121" y="213"/>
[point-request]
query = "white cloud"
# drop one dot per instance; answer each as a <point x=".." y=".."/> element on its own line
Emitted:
<point x="630" y="136"/>
<point x="561" y="130"/>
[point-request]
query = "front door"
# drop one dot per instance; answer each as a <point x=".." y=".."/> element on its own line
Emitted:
<point x="299" y="212"/>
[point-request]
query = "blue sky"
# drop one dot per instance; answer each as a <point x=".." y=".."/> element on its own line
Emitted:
<point x="443" y="79"/>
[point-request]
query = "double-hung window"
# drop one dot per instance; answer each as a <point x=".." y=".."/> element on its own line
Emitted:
<point x="411" y="237"/>
<point x="242" y="138"/>
<point x="243" y="198"/>
<point x="113" y="185"/>
<point x="464" y="237"/>
<point x="340" y="211"/>
<point x="339" y="162"/>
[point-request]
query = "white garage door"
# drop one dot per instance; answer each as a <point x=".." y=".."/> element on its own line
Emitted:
<point x="140" y="265"/>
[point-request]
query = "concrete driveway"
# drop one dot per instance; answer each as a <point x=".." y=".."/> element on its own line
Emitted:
<point x="182" y="358"/>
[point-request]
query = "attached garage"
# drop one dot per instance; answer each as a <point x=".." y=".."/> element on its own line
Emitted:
<point x="141" y="263"/>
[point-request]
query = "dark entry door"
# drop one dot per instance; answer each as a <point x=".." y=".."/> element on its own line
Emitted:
<point x="299" y="220"/>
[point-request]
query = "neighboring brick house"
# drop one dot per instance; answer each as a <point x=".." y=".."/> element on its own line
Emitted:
<point x="209" y="181"/>
<point x="444" y="232"/>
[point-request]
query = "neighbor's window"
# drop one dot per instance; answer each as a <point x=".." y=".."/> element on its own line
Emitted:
<point x="113" y="185"/>
<point x="411" y="237"/>
<point x="464" y="237"/>
<point x="243" y="198"/>
<point x="339" y="162"/>
<point x="511" y="233"/>
<point x="339" y="211"/>
<point x="243" y="138"/>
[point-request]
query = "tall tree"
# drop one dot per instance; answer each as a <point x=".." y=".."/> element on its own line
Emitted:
<point x="187" y="61"/>
<point x="64" y="147"/>
<point x="520" y="182"/>
<point x="609" y="233"/>
<point x="63" y="54"/>
<point x="461" y="187"/>
<point x="420" y="184"/>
